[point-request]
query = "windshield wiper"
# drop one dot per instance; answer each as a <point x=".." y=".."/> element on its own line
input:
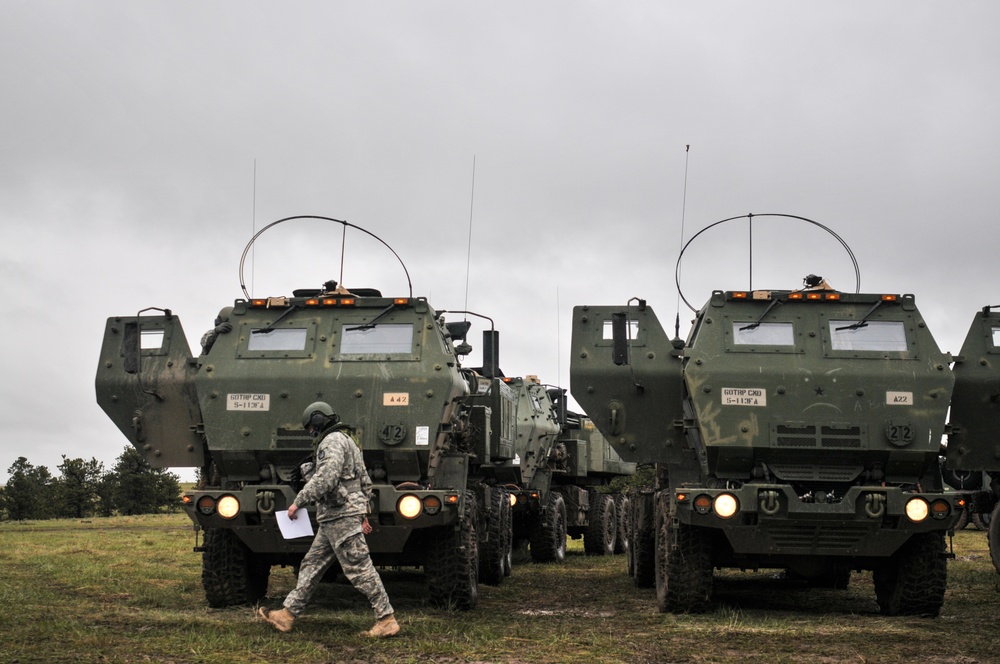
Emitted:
<point x="864" y="320"/>
<point x="270" y="326"/>
<point x="756" y="324"/>
<point x="371" y="324"/>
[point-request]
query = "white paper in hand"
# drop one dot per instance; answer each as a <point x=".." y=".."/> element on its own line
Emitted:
<point x="300" y="526"/>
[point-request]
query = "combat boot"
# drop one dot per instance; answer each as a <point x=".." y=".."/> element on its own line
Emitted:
<point x="282" y="620"/>
<point x="386" y="626"/>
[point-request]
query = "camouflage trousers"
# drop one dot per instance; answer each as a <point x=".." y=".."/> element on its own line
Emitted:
<point x="343" y="541"/>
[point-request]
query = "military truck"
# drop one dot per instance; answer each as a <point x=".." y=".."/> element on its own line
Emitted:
<point x="792" y="429"/>
<point x="973" y="454"/>
<point x="559" y="478"/>
<point x="389" y="366"/>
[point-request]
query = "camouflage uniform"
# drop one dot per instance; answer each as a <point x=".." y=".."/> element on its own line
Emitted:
<point x="340" y="488"/>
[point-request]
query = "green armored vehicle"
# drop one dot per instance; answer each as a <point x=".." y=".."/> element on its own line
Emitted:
<point x="974" y="439"/>
<point x="559" y="478"/>
<point x="795" y="430"/>
<point x="389" y="366"/>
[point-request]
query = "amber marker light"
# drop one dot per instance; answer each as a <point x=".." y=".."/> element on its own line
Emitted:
<point x="739" y="295"/>
<point x="432" y="505"/>
<point x="451" y="499"/>
<point x="329" y="302"/>
<point x="258" y="303"/>
<point x="940" y="509"/>
<point x="312" y="302"/>
<point x="347" y="302"/>
<point x="814" y="296"/>
<point x="401" y="300"/>
<point x="681" y="497"/>
<point x="833" y="296"/>
<point x="889" y="298"/>
<point x="795" y="296"/>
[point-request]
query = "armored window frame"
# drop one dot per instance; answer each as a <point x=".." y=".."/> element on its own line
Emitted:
<point x="995" y="335"/>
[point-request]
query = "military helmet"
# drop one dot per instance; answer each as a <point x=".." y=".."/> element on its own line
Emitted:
<point x="318" y="415"/>
<point x="224" y="315"/>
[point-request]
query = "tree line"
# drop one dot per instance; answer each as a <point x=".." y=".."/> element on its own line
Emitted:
<point x="84" y="489"/>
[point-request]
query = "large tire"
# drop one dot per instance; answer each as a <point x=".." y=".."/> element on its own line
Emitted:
<point x="508" y="515"/>
<point x="683" y="564"/>
<point x="963" y="519"/>
<point x="980" y="521"/>
<point x="548" y="535"/>
<point x="642" y="540"/>
<point x="602" y="527"/>
<point x="993" y="537"/>
<point x="453" y="566"/>
<point x="913" y="581"/>
<point x="622" y="509"/>
<point x="494" y="542"/>
<point x="230" y="573"/>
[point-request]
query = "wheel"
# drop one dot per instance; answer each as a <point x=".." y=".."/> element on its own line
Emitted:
<point x="642" y="540"/>
<point x="548" y="535"/>
<point x="508" y="530"/>
<point x="622" y="507"/>
<point x="230" y="573"/>
<point x="683" y="564"/>
<point x="602" y="527"/>
<point x="912" y="582"/>
<point x="980" y="521"/>
<point x="495" y="541"/>
<point x="963" y="519"/>
<point x="453" y="564"/>
<point x="993" y="537"/>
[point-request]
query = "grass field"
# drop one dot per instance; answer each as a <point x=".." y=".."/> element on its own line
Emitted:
<point x="128" y="589"/>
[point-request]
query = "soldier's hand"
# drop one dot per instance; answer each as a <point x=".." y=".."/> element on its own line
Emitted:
<point x="292" y="509"/>
<point x="366" y="527"/>
<point x="224" y="327"/>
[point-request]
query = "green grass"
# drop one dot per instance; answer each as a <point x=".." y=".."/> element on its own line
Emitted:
<point x="128" y="589"/>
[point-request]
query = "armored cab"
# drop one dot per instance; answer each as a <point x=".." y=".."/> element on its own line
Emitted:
<point x="974" y="439"/>
<point x="796" y="430"/>
<point x="389" y="368"/>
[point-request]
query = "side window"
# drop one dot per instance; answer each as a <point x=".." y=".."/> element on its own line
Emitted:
<point x="633" y="330"/>
<point x="996" y="337"/>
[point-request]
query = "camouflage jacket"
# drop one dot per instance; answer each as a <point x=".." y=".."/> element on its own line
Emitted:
<point x="340" y="485"/>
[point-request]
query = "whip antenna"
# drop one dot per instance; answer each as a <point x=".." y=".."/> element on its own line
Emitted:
<point x="468" y="256"/>
<point x="687" y="157"/>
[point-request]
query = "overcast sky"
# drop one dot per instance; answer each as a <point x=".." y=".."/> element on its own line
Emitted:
<point x="143" y="142"/>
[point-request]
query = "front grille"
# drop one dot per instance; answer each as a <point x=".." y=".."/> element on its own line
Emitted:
<point x="791" y="472"/>
<point x="813" y="537"/>
<point x="786" y="435"/>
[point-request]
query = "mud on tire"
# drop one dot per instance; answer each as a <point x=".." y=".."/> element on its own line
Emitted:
<point x="622" y="508"/>
<point x="548" y="535"/>
<point x="642" y="540"/>
<point x="602" y="528"/>
<point x="494" y="547"/>
<point x="913" y="581"/>
<point x="230" y="573"/>
<point x="683" y="564"/>
<point x="453" y="564"/>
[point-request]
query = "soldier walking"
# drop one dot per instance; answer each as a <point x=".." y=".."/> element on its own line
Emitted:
<point x="340" y="488"/>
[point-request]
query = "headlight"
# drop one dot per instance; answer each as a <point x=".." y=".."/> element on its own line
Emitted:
<point x="228" y="507"/>
<point x="513" y="499"/>
<point x="409" y="506"/>
<point x="916" y="509"/>
<point x="726" y="505"/>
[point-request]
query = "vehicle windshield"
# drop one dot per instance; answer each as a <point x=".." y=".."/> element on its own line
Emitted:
<point x="280" y="339"/>
<point x="382" y="339"/>
<point x="872" y="336"/>
<point x="750" y="333"/>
